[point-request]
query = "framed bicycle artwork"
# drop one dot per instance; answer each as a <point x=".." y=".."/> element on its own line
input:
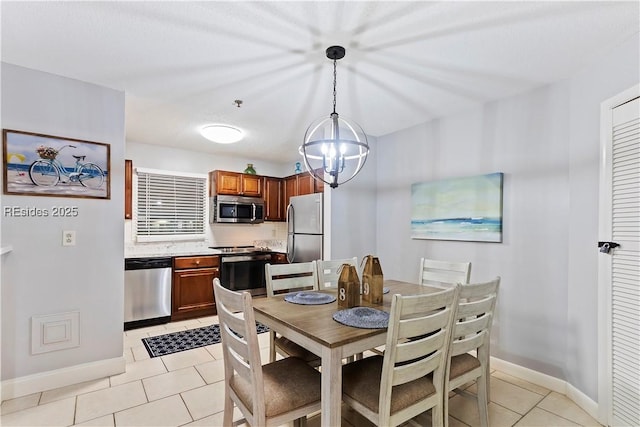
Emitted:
<point x="45" y="165"/>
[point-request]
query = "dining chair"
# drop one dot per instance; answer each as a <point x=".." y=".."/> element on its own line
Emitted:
<point x="409" y="379"/>
<point x="287" y="278"/>
<point x="271" y="394"/>
<point x="443" y="273"/>
<point x="471" y="332"/>
<point x="328" y="271"/>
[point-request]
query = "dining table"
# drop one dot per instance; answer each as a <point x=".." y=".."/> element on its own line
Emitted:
<point x="313" y="327"/>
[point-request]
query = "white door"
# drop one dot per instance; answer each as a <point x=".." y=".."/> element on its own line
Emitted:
<point x="619" y="268"/>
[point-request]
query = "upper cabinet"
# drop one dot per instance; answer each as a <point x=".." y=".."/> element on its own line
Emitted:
<point x="299" y="185"/>
<point x="275" y="191"/>
<point x="273" y="199"/>
<point x="235" y="184"/>
<point x="128" y="189"/>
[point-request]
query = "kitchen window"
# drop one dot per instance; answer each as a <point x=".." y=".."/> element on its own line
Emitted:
<point x="170" y="206"/>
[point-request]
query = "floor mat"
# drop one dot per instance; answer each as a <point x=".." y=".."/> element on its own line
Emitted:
<point x="186" y="340"/>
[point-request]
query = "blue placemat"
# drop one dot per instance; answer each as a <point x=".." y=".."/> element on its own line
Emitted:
<point x="309" y="298"/>
<point x="362" y="317"/>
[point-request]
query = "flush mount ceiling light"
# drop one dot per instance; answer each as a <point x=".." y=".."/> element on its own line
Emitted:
<point x="222" y="134"/>
<point x="334" y="149"/>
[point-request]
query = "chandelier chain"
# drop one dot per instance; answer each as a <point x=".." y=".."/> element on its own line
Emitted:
<point x="334" y="85"/>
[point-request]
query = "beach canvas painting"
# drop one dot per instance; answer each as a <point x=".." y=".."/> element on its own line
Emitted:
<point x="468" y="209"/>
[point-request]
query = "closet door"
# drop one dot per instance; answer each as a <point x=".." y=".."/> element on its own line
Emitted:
<point x="623" y="264"/>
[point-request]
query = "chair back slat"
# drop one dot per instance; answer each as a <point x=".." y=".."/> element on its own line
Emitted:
<point x="443" y="273"/>
<point x="467" y="344"/>
<point x="408" y="372"/>
<point x="474" y="308"/>
<point x="479" y="290"/>
<point x="290" y="277"/>
<point x="234" y="342"/>
<point x="411" y="328"/>
<point x="416" y="348"/>
<point x="472" y="325"/>
<point x="328" y="271"/>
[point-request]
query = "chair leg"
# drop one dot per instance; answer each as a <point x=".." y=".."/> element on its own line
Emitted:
<point x="272" y="346"/>
<point x="437" y="419"/>
<point x="227" y="419"/>
<point x="300" y="422"/>
<point x="483" y="404"/>
<point x="445" y="409"/>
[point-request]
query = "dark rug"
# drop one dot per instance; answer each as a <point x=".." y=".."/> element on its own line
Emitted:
<point x="186" y="340"/>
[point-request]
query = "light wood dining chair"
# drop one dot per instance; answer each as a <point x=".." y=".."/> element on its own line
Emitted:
<point x="409" y="379"/>
<point x="271" y="394"/>
<point x="443" y="273"/>
<point x="287" y="278"/>
<point x="328" y="271"/>
<point x="471" y="332"/>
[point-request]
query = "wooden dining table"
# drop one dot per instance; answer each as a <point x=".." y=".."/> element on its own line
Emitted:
<point x="313" y="327"/>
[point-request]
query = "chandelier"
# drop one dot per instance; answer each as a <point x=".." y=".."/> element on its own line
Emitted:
<point x="334" y="149"/>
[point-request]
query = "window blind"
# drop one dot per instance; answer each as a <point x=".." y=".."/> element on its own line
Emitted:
<point x="170" y="206"/>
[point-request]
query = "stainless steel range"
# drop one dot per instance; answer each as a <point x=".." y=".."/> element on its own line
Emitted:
<point x="242" y="268"/>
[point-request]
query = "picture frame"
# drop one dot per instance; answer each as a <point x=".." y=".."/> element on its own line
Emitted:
<point x="44" y="165"/>
<point x="466" y="209"/>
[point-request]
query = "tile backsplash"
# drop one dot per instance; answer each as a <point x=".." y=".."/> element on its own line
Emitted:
<point x="269" y="234"/>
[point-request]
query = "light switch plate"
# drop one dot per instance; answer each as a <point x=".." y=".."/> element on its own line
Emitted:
<point x="68" y="238"/>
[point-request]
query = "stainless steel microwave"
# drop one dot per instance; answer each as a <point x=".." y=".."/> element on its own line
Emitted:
<point x="237" y="209"/>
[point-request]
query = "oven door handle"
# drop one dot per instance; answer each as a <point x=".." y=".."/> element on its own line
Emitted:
<point x="245" y="258"/>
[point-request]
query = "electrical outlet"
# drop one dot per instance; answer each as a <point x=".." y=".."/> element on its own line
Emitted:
<point x="68" y="238"/>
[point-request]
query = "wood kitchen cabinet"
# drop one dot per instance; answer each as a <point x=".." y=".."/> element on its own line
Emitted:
<point x="235" y="184"/>
<point x="273" y="199"/>
<point x="299" y="185"/>
<point x="128" y="189"/>
<point x="192" y="290"/>
<point x="279" y="258"/>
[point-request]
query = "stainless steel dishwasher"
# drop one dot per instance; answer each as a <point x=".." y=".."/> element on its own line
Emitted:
<point x="147" y="291"/>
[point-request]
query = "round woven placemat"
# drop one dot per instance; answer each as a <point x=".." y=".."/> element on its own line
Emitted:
<point x="309" y="298"/>
<point x="362" y="317"/>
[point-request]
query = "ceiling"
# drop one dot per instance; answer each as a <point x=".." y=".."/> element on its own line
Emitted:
<point x="182" y="64"/>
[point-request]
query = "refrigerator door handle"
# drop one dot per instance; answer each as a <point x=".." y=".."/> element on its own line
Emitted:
<point x="291" y="247"/>
<point x="290" y="219"/>
<point x="290" y="235"/>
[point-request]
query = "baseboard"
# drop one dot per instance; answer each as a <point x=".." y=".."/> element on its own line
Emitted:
<point x="585" y="402"/>
<point x="43" y="381"/>
<point x="549" y="382"/>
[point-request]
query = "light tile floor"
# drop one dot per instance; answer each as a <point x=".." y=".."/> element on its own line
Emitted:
<point x="186" y="389"/>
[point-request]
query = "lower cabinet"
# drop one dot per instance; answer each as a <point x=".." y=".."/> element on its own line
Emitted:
<point x="192" y="294"/>
<point x="279" y="258"/>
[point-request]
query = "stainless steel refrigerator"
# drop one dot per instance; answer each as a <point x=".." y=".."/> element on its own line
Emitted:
<point x="305" y="228"/>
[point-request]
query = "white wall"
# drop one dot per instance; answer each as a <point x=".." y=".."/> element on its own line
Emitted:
<point x="353" y="212"/>
<point x="546" y="143"/>
<point x="40" y="276"/>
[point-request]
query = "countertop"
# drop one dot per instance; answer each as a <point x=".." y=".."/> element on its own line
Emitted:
<point x="185" y="252"/>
